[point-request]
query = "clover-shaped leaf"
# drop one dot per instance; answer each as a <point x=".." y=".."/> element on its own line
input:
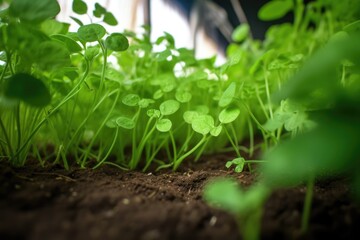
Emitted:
<point x="153" y="113"/>
<point x="238" y="162"/>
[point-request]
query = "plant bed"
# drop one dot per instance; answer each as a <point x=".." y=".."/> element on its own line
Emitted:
<point x="52" y="203"/>
<point x="117" y="136"/>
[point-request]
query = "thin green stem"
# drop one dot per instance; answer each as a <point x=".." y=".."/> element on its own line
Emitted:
<point x="7" y="139"/>
<point x="110" y="149"/>
<point x="110" y="111"/>
<point x="307" y="205"/>
<point x="251" y="137"/>
<point x="267" y="88"/>
<point x="188" y="153"/>
<point x="71" y="94"/>
<point x="18" y="124"/>
<point x="235" y="147"/>
<point x="172" y="139"/>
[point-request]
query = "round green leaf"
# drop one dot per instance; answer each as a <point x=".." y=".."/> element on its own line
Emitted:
<point x="34" y="10"/>
<point x="183" y="96"/>
<point x="189" y="116"/>
<point x="29" y="89"/>
<point x="228" y="95"/>
<point x="125" y="122"/>
<point x="163" y="125"/>
<point x="117" y="42"/>
<point x="91" y="32"/>
<point x="169" y="107"/>
<point x="228" y="115"/>
<point x="131" y="100"/>
<point x="203" y="124"/>
<point x="240" y="33"/>
<point x="79" y="7"/>
<point x="275" y="9"/>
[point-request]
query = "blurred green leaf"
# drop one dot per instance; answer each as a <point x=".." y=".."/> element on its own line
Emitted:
<point x="110" y="19"/>
<point x="169" y="107"/>
<point x="125" y="122"/>
<point x="34" y="10"/>
<point x="71" y="45"/>
<point x="228" y="115"/>
<point x="275" y="9"/>
<point x="240" y="33"/>
<point x="99" y="10"/>
<point x="79" y="7"/>
<point x="131" y="100"/>
<point x="228" y="95"/>
<point x="29" y="89"/>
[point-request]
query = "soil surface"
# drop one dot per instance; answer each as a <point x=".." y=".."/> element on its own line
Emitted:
<point x="52" y="203"/>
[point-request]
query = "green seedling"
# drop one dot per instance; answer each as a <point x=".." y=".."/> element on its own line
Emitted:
<point x="245" y="205"/>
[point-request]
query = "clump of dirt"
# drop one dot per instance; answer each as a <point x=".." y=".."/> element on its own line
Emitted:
<point x="52" y="203"/>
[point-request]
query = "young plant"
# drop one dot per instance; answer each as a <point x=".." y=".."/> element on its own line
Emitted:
<point x="245" y="205"/>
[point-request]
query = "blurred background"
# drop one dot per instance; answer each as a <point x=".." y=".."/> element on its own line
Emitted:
<point x="203" y="25"/>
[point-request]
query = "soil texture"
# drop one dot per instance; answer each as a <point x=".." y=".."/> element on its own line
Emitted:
<point x="107" y="203"/>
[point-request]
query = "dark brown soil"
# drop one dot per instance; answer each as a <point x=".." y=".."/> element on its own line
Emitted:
<point x="51" y="203"/>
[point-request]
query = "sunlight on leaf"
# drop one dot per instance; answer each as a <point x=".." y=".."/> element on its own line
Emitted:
<point x="169" y="107"/>
<point x="203" y="124"/>
<point x="229" y="115"/>
<point x="228" y="95"/>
